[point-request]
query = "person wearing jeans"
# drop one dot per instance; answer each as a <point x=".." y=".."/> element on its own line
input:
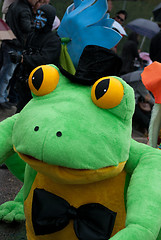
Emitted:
<point x="19" y="18"/>
<point x="6" y="73"/>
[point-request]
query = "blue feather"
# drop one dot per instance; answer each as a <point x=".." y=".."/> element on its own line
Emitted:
<point x="87" y="23"/>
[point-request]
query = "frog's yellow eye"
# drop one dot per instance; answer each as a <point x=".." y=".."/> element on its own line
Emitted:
<point x="107" y="92"/>
<point x="43" y="80"/>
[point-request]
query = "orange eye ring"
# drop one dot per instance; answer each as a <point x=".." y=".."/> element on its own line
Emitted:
<point x="43" y="80"/>
<point x="107" y="92"/>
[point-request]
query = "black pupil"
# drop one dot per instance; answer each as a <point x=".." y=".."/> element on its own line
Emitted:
<point x="102" y="88"/>
<point x="37" y="78"/>
<point x="59" y="134"/>
<point x="36" y="128"/>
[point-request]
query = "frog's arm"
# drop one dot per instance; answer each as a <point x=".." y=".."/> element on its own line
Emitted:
<point x="6" y="127"/>
<point x="12" y="210"/>
<point x="16" y="166"/>
<point x="7" y="154"/>
<point x="143" y="219"/>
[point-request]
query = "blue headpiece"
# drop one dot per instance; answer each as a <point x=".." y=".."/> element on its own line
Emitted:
<point x="87" y="23"/>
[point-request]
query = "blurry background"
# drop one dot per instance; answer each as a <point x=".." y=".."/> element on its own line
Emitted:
<point x="134" y="8"/>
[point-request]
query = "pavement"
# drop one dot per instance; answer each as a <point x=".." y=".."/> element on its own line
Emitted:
<point x="10" y="186"/>
<point x="5" y="113"/>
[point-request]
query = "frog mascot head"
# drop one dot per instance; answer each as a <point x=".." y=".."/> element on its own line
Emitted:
<point x="81" y="164"/>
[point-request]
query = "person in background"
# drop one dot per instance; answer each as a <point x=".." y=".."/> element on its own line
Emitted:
<point x="39" y="3"/>
<point x="121" y="16"/>
<point x="5" y="6"/>
<point x="155" y="48"/>
<point x="130" y="54"/>
<point x="12" y="92"/>
<point x="43" y="46"/>
<point x="19" y="18"/>
<point x="109" y="5"/>
<point x="144" y="101"/>
<point x="13" y="96"/>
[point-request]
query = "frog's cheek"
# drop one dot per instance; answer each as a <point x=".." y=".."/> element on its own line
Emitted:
<point x="107" y="92"/>
<point x="43" y="80"/>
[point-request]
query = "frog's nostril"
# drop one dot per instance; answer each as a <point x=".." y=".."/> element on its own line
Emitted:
<point x="36" y="128"/>
<point x="59" y="134"/>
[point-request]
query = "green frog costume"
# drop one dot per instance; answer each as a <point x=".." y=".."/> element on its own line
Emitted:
<point x="84" y="178"/>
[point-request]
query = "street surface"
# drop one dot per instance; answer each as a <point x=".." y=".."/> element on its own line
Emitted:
<point x="9" y="187"/>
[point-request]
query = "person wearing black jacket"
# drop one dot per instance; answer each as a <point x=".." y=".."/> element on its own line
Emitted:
<point x="20" y="19"/>
<point x="130" y="54"/>
<point x="155" y="48"/>
<point x="43" y="46"/>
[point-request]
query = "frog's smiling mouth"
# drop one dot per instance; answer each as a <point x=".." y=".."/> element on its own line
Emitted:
<point x="70" y="175"/>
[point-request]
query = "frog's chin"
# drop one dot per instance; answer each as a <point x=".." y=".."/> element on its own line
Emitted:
<point x="66" y="175"/>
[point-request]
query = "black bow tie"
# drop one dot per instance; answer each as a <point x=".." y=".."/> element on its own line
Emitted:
<point x="51" y="213"/>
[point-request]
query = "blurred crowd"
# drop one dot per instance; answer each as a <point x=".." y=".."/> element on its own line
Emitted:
<point x="133" y="62"/>
<point x="36" y="43"/>
<point x="34" y="24"/>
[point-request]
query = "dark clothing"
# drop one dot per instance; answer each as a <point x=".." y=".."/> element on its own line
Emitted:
<point x="20" y="19"/>
<point x="129" y="54"/>
<point x="42" y="47"/>
<point x="141" y="119"/>
<point x="155" y="48"/>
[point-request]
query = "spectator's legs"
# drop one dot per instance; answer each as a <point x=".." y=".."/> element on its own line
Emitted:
<point x="13" y="95"/>
<point x="6" y="72"/>
<point x="141" y="119"/>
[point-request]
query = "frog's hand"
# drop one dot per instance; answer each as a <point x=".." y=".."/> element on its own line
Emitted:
<point x="13" y="210"/>
<point x="6" y="127"/>
<point x="155" y="125"/>
<point x="143" y="220"/>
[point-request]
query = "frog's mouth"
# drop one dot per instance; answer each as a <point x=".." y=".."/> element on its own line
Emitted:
<point x="66" y="175"/>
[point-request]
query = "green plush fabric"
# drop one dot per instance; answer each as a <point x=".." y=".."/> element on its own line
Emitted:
<point x="16" y="166"/>
<point x="143" y="193"/>
<point x="92" y="138"/>
<point x="6" y="144"/>
<point x="12" y="210"/>
<point x="30" y="175"/>
<point x="69" y="109"/>
<point x="7" y="154"/>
